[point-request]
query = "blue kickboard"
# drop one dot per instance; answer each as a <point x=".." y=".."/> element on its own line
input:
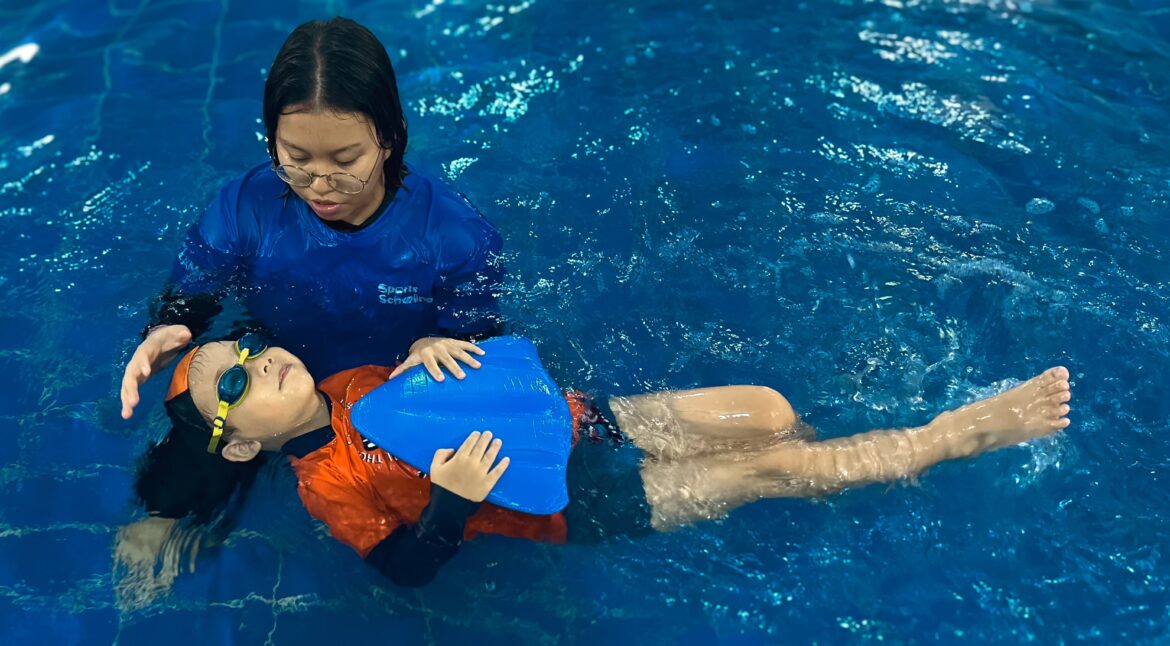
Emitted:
<point x="511" y="395"/>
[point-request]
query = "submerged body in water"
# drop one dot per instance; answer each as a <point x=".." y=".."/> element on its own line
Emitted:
<point x="699" y="455"/>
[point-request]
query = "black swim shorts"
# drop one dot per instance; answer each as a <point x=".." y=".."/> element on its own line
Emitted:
<point x="606" y="495"/>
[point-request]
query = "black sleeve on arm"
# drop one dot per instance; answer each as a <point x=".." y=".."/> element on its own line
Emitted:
<point x="175" y="308"/>
<point x="412" y="554"/>
<point x="497" y="328"/>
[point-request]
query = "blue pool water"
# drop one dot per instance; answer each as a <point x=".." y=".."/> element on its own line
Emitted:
<point x="880" y="208"/>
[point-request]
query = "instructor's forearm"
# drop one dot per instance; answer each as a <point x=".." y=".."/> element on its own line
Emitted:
<point x="172" y="307"/>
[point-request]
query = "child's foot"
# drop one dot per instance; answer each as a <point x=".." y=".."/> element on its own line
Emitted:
<point x="1033" y="409"/>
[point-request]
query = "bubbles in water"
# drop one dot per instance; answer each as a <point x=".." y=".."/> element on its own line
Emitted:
<point x="454" y="169"/>
<point x="1040" y="206"/>
<point x="1044" y="453"/>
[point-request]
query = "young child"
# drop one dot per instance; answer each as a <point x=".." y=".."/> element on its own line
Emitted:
<point x="679" y="457"/>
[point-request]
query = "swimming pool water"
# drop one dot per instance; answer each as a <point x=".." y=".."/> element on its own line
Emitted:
<point x="880" y="208"/>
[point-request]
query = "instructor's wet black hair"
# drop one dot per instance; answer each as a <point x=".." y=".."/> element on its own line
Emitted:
<point x="341" y="66"/>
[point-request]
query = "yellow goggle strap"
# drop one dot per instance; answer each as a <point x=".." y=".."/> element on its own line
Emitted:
<point x="217" y="426"/>
<point x="220" y="420"/>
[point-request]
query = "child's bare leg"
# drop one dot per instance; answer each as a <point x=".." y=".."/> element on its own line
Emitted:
<point x="709" y="486"/>
<point x="677" y="424"/>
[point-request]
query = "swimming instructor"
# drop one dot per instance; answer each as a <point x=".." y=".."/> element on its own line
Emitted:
<point x="335" y="233"/>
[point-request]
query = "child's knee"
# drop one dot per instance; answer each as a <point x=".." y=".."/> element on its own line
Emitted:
<point x="773" y="408"/>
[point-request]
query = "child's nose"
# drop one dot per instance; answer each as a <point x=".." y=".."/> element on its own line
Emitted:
<point x="263" y="365"/>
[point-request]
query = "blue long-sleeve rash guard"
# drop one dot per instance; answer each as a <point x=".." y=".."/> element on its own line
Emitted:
<point x="426" y="266"/>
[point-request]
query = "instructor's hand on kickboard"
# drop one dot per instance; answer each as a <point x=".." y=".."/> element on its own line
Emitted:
<point x="435" y="353"/>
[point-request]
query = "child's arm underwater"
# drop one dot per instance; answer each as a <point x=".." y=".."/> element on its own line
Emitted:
<point x="412" y="553"/>
<point x="460" y="480"/>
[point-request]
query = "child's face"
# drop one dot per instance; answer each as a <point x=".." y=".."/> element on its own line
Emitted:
<point x="281" y="394"/>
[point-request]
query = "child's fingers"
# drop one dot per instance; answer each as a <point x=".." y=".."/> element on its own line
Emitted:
<point x="489" y="456"/>
<point x="441" y="458"/>
<point x="467" y="445"/>
<point x="482" y="444"/>
<point x="498" y="470"/>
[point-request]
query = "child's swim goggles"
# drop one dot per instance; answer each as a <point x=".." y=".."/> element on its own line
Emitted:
<point x="233" y="384"/>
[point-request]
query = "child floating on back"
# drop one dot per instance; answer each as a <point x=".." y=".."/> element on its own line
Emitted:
<point x="673" y="458"/>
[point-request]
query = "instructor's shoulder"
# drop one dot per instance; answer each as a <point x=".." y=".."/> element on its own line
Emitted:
<point x="258" y="187"/>
<point x="259" y="183"/>
<point x="447" y="204"/>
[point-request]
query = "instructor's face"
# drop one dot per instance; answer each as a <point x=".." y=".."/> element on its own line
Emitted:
<point x="327" y="142"/>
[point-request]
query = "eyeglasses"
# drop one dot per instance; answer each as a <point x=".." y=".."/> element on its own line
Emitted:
<point x="340" y="182"/>
<point x="233" y="384"/>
